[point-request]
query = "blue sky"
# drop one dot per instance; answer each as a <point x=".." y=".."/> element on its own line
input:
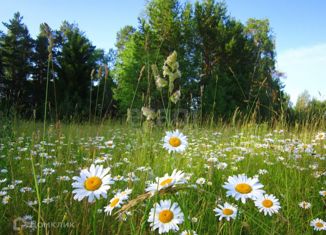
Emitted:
<point x="298" y="25"/>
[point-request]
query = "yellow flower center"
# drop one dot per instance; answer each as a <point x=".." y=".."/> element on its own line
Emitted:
<point x="227" y="211"/>
<point x="165" y="216"/>
<point x="319" y="225"/>
<point x="114" y="202"/>
<point x="175" y="142"/>
<point x="243" y="188"/>
<point x="166" y="182"/>
<point x="93" y="183"/>
<point x="267" y="203"/>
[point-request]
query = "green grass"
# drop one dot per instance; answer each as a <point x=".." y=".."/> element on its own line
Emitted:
<point x="69" y="148"/>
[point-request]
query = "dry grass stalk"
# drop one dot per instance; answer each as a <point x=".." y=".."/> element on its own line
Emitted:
<point x="146" y="196"/>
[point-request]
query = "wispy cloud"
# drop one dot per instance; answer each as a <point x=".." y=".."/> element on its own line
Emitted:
<point x="305" y="69"/>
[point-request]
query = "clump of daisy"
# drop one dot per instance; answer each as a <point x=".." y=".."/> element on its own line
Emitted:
<point x="177" y="177"/>
<point x="92" y="183"/>
<point x="175" y="141"/>
<point x="268" y="204"/>
<point x="227" y="211"/>
<point x="305" y="205"/>
<point x="165" y="216"/>
<point x="318" y="224"/>
<point x="117" y="200"/>
<point x="242" y="187"/>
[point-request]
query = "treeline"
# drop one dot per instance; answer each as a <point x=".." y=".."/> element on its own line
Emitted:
<point x="60" y="63"/>
<point x="227" y="67"/>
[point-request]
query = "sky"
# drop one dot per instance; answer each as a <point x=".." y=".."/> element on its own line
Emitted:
<point x="298" y="26"/>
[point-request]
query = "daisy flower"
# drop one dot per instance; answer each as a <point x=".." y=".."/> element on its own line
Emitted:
<point x="305" y="205"/>
<point x="109" y="144"/>
<point x="165" y="216"/>
<point x="322" y="193"/>
<point x="268" y="204"/>
<point x="177" y="177"/>
<point x="175" y="141"/>
<point x="227" y="211"/>
<point x="92" y="183"/>
<point x="201" y="181"/>
<point x="124" y="195"/>
<point x="100" y="159"/>
<point x="318" y="224"/>
<point x="321" y="136"/>
<point x="6" y="199"/>
<point x="242" y="188"/>
<point x="115" y="202"/>
<point x="188" y="232"/>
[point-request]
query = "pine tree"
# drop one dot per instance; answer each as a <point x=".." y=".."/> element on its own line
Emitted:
<point x="16" y="50"/>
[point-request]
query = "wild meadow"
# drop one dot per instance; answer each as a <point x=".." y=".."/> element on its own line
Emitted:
<point x="183" y="128"/>
<point x="143" y="169"/>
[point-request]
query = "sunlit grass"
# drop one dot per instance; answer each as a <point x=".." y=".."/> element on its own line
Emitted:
<point x="286" y="168"/>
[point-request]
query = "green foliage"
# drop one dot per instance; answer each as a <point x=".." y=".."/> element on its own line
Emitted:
<point x="75" y="64"/>
<point x="66" y="55"/>
<point x="309" y="110"/>
<point x="227" y="68"/>
<point x="225" y="65"/>
<point x="16" y="50"/>
<point x="39" y="73"/>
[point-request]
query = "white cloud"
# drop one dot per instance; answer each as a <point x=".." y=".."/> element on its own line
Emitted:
<point x="305" y="69"/>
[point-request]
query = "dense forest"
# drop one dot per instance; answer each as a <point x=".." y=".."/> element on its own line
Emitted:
<point x="224" y="68"/>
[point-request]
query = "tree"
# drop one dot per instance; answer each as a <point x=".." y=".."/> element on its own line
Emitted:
<point x="40" y="59"/>
<point x="303" y="101"/>
<point x="265" y="86"/>
<point x="157" y="36"/>
<point x="2" y="81"/>
<point x="123" y="36"/>
<point x="16" y="51"/>
<point x="75" y="61"/>
<point x="225" y="65"/>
